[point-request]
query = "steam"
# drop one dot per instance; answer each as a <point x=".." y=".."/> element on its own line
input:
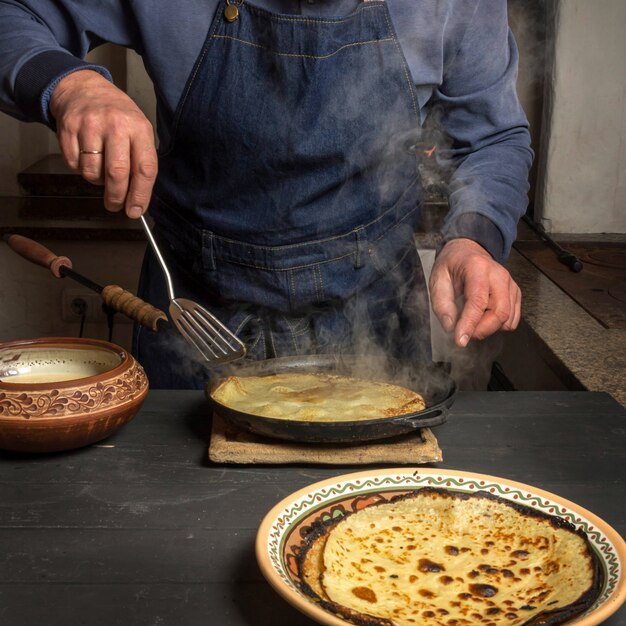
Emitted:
<point x="185" y="362"/>
<point x="372" y="343"/>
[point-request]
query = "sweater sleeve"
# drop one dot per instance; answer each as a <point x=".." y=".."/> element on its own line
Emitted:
<point x="41" y="41"/>
<point x="489" y="143"/>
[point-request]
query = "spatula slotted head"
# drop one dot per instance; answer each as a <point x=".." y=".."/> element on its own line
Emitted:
<point x="215" y="342"/>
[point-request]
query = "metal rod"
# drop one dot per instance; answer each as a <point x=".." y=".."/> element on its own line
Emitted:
<point x="64" y="270"/>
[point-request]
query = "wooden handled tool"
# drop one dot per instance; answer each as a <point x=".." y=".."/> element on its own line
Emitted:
<point x="113" y="296"/>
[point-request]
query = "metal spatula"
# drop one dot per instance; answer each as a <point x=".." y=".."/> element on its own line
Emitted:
<point x="215" y="342"/>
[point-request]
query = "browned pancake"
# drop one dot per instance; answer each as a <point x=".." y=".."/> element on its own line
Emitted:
<point x="311" y="568"/>
<point x="439" y="558"/>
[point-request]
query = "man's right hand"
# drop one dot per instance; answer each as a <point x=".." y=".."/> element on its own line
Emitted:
<point x="93" y="115"/>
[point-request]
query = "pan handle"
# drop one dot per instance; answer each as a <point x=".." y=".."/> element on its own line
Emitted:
<point x="134" y="307"/>
<point x="426" y="419"/>
<point x="36" y="253"/>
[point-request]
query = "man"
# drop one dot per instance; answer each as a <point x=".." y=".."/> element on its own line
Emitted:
<point x="287" y="191"/>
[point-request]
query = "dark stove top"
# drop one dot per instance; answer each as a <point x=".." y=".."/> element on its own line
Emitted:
<point x="600" y="288"/>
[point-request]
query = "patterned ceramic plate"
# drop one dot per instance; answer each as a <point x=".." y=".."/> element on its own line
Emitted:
<point x="283" y="530"/>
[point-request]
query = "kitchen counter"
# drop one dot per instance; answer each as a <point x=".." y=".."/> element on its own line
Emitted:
<point x="58" y="204"/>
<point x="588" y="355"/>
<point x="65" y="218"/>
<point x="142" y="529"/>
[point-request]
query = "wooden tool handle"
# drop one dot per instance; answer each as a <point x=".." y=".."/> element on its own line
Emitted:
<point x="125" y="302"/>
<point x="36" y="253"/>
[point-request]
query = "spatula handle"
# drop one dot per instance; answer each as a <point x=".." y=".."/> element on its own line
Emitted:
<point x="36" y="253"/>
<point x="130" y="305"/>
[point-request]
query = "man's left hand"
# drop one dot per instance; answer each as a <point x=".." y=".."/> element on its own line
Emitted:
<point x="492" y="299"/>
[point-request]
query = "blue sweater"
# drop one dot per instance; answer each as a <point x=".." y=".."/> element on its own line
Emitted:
<point x="461" y="55"/>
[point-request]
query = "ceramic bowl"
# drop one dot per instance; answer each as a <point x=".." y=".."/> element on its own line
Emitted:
<point x="61" y="393"/>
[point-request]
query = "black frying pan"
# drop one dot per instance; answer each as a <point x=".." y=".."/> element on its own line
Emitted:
<point x="430" y="381"/>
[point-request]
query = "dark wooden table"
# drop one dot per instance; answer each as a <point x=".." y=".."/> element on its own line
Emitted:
<point x="141" y="529"/>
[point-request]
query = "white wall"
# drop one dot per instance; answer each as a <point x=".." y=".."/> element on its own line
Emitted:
<point x="584" y="162"/>
<point x="31" y="297"/>
<point x="20" y="146"/>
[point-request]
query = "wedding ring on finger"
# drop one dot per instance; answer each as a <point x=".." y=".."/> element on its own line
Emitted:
<point x="90" y="151"/>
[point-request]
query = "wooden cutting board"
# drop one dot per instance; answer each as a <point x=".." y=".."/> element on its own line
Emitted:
<point x="231" y="444"/>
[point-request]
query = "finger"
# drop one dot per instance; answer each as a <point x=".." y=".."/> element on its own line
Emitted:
<point x="499" y="309"/>
<point x="68" y="142"/>
<point x="517" y="316"/>
<point x="442" y="297"/>
<point x="508" y="325"/>
<point x="91" y="165"/>
<point x="515" y="299"/>
<point x="519" y="307"/>
<point x="487" y="326"/>
<point x="143" y="174"/>
<point x="477" y="301"/>
<point x="116" y="172"/>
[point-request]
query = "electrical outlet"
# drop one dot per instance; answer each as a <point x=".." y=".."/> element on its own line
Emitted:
<point x="74" y="300"/>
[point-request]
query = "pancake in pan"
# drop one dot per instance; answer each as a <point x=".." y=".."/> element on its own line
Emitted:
<point x="316" y="396"/>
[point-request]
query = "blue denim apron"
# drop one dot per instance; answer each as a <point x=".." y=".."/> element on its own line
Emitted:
<point x="288" y="196"/>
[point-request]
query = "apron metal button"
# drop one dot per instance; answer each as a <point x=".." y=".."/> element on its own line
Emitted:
<point x="231" y="13"/>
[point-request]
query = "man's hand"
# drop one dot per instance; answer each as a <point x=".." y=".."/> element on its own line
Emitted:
<point x="492" y="298"/>
<point x="93" y="115"/>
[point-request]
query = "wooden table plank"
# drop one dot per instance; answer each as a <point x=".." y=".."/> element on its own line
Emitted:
<point x="142" y="529"/>
<point x="149" y="605"/>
